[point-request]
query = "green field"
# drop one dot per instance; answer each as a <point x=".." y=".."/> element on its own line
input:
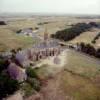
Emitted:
<point x="80" y="75"/>
<point x="83" y="64"/>
<point x="78" y="87"/>
<point x="10" y="40"/>
<point x="87" y="37"/>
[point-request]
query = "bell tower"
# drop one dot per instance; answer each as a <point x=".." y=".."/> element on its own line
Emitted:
<point x="45" y="35"/>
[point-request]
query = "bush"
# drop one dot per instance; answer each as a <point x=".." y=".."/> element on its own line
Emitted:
<point x="27" y="88"/>
<point x="98" y="53"/>
<point x="7" y="86"/>
<point x="19" y="31"/>
<point x="35" y="84"/>
<point x="3" y="64"/>
<point x="89" y="49"/>
<point x="93" y="41"/>
<point x="31" y="73"/>
<point x="95" y="38"/>
<point x="2" y="23"/>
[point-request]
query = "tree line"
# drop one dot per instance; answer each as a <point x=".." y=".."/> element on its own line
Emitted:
<point x="75" y="30"/>
<point x="95" y="38"/>
<point x="89" y="49"/>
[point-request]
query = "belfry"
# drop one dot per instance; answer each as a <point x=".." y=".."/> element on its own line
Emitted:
<point x="46" y="36"/>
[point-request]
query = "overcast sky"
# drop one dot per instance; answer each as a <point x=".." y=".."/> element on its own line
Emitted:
<point x="51" y="6"/>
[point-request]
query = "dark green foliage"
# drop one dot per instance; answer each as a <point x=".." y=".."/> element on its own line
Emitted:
<point x="33" y="79"/>
<point x="94" y="24"/>
<point x="19" y="49"/>
<point x="19" y="31"/>
<point x="89" y="49"/>
<point x="95" y="38"/>
<point x="68" y="34"/>
<point x="13" y="51"/>
<point x="31" y="72"/>
<point x="35" y="83"/>
<point x="7" y="85"/>
<point x="98" y="53"/>
<point x="93" y="41"/>
<point x="30" y="28"/>
<point x="43" y="23"/>
<point x="2" y="23"/>
<point x="3" y="64"/>
<point x="36" y="28"/>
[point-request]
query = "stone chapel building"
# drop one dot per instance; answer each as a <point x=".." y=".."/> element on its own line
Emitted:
<point x="47" y="47"/>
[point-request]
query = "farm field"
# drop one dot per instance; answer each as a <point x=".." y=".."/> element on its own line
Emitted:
<point x="9" y="39"/>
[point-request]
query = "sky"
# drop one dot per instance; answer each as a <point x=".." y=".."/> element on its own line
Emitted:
<point x="51" y="6"/>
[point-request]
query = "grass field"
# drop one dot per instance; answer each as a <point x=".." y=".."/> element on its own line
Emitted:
<point x="87" y="37"/>
<point x="78" y="78"/>
<point x="79" y="88"/>
<point x="82" y="64"/>
<point x="10" y="40"/>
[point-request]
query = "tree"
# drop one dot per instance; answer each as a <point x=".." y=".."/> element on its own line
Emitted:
<point x="98" y="53"/>
<point x="70" y="33"/>
<point x="35" y="83"/>
<point x="2" y="23"/>
<point x="33" y="79"/>
<point x="93" y="41"/>
<point x="31" y="73"/>
<point x="3" y="64"/>
<point x="7" y="85"/>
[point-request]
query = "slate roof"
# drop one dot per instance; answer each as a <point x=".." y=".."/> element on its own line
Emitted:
<point x="45" y="45"/>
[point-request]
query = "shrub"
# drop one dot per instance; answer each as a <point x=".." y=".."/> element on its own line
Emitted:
<point x="98" y="53"/>
<point x="3" y="64"/>
<point x="7" y="85"/>
<point x="2" y="23"/>
<point x="31" y="73"/>
<point x="93" y="41"/>
<point x="35" y="84"/>
<point x="89" y="49"/>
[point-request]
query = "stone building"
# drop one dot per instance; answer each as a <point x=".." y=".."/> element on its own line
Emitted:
<point x="47" y="47"/>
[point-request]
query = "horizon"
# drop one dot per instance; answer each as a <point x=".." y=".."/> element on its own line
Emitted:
<point x="47" y="14"/>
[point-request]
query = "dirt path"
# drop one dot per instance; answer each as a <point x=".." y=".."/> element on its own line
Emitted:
<point x="52" y="91"/>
